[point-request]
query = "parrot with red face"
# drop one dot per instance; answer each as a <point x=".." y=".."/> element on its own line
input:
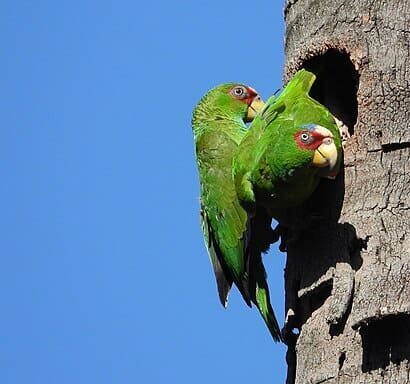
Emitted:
<point x="291" y="144"/>
<point x="219" y="125"/>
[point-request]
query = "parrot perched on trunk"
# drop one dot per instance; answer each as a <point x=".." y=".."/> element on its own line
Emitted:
<point x="290" y="145"/>
<point x="218" y="125"/>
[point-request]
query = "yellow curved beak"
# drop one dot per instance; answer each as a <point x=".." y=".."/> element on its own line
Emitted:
<point x="326" y="154"/>
<point x="253" y="109"/>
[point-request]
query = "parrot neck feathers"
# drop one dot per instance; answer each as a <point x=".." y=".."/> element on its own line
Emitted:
<point x="205" y="118"/>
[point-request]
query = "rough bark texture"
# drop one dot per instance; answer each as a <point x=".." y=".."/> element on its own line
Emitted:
<point x="347" y="277"/>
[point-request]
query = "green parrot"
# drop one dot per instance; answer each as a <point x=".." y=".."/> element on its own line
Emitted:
<point x="290" y="145"/>
<point x="218" y="125"/>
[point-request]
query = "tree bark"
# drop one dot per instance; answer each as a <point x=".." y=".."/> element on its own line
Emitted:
<point x="347" y="276"/>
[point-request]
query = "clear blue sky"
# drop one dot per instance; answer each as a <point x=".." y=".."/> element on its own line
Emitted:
<point x="104" y="277"/>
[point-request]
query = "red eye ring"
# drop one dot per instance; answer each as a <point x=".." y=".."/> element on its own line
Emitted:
<point x="308" y="139"/>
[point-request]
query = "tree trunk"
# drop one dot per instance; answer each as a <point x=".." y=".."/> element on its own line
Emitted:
<point x="347" y="276"/>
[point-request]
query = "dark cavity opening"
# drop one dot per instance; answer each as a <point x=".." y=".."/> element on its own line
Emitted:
<point x="336" y="85"/>
<point x="385" y="341"/>
<point x="342" y="359"/>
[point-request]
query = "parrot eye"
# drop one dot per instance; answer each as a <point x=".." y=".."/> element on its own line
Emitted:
<point x="306" y="138"/>
<point x="238" y="92"/>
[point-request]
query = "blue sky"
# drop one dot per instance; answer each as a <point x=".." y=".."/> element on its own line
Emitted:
<point x="104" y="276"/>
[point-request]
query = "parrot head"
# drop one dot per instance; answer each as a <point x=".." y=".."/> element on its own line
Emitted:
<point x="305" y="147"/>
<point x="230" y="100"/>
<point x="245" y="99"/>
<point x="319" y="142"/>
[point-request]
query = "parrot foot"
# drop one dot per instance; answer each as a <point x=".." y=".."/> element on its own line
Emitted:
<point x="344" y="131"/>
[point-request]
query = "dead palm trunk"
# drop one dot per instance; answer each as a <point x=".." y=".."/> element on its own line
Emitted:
<point x="347" y="277"/>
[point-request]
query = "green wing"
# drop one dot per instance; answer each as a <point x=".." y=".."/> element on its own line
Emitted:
<point x="260" y="238"/>
<point x="234" y="241"/>
<point x="223" y="218"/>
<point x="262" y="167"/>
<point x="223" y="280"/>
<point x="236" y="259"/>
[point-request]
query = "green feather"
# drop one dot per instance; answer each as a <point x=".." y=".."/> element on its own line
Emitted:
<point x="218" y="126"/>
<point x="270" y="169"/>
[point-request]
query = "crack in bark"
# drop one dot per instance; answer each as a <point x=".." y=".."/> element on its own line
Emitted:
<point x="324" y="380"/>
<point x="390" y="147"/>
<point x="395" y="146"/>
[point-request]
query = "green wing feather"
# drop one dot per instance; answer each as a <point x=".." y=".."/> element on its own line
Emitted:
<point x="223" y="281"/>
<point x="273" y="172"/>
<point x="260" y="231"/>
<point x="223" y="218"/>
<point x="235" y="257"/>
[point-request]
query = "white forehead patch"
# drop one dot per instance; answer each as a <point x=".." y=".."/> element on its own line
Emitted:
<point x="319" y="129"/>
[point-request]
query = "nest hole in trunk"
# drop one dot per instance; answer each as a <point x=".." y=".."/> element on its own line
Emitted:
<point x="336" y="84"/>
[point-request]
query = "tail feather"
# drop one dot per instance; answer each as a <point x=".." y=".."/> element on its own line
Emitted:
<point x="299" y="84"/>
<point x="244" y="290"/>
<point x="260" y="233"/>
<point x="262" y="301"/>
